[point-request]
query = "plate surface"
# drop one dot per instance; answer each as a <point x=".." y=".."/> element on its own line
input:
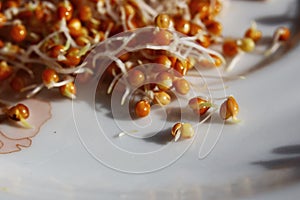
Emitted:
<point x="256" y="159"/>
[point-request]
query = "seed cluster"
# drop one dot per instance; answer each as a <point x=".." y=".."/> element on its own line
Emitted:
<point x="43" y="44"/>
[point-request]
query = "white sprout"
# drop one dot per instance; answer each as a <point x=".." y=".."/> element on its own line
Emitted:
<point x="69" y="79"/>
<point x="233" y="62"/>
<point x="18" y="66"/>
<point x="148" y="12"/>
<point x="63" y="27"/>
<point x="182" y="4"/>
<point x="110" y="12"/>
<point x="35" y="91"/>
<point x="277" y="43"/>
<point x="11" y="12"/>
<point x="123" y="18"/>
<point x="47" y="4"/>
<point x="100" y="8"/>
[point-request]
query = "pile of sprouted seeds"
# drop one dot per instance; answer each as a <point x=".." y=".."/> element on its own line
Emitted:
<point x="43" y="45"/>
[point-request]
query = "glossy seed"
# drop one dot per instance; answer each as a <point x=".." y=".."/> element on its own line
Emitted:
<point x="199" y="105"/>
<point x="56" y="50"/>
<point x="49" y="76"/>
<point x="72" y="57"/>
<point x="18" y="112"/>
<point x="195" y="29"/>
<point x="254" y="34"/>
<point x="142" y="108"/>
<point x="214" y="27"/>
<point x="5" y="70"/>
<point x="18" y="32"/>
<point x="75" y="27"/>
<point x="230" y="48"/>
<point x="229" y="108"/>
<point x="164" y="80"/>
<point x="163" y="37"/>
<point x="283" y="33"/>
<point x="65" y="10"/>
<point x="181" y="67"/>
<point x="136" y="77"/>
<point x="181" y="86"/>
<point x="85" y="13"/>
<point x="162" y="20"/>
<point x="187" y="130"/>
<point x="182" y="130"/>
<point x="162" y="98"/>
<point x="182" y="26"/>
<point x="164" y="60"/>
<point x="68" y="90"/>
<point x="247" y="44"/>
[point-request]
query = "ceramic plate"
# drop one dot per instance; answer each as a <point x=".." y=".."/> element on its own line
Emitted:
<point x="78" y="153"/>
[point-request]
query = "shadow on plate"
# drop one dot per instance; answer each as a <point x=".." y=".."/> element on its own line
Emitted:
<point x="279" y="174"/>
<point x="283" y="163"/>
<point x="162" y="138"/>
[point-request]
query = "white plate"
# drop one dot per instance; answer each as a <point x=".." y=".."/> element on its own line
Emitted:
<point x="256" y="159"/>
